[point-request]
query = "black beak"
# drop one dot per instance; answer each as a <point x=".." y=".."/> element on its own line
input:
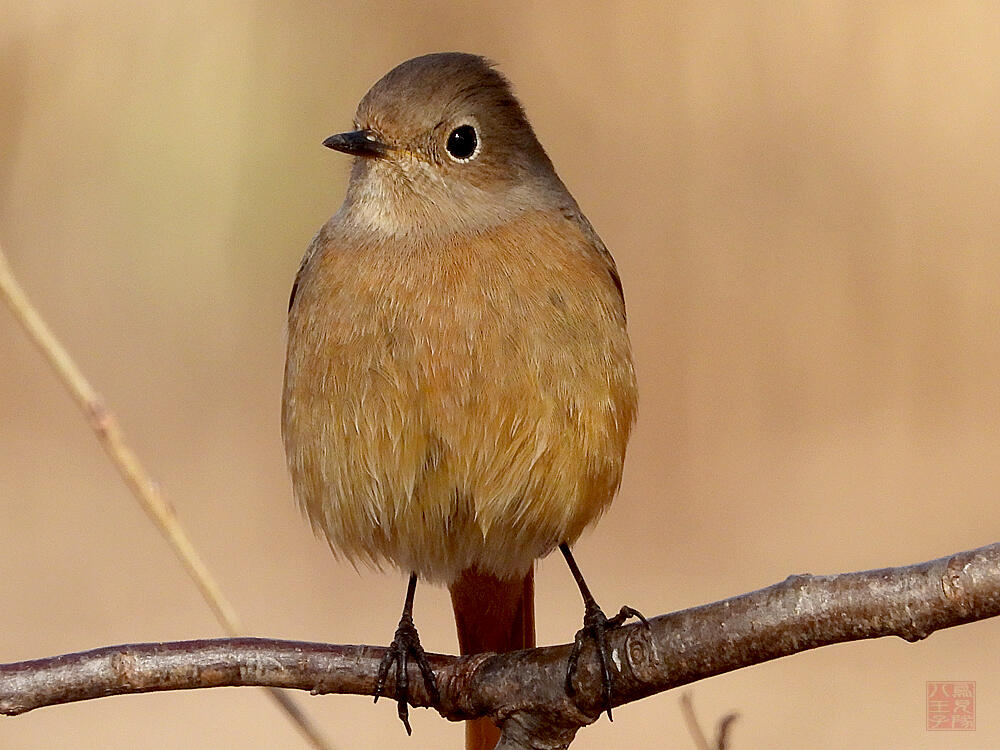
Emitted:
<point x="357" y="143"/>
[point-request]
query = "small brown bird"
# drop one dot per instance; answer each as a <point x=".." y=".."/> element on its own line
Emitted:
<point x="459" y="387"/>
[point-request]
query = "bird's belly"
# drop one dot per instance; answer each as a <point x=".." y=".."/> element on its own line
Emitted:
<point x="436" y="481"/>
<point x="436" y="460"/>
<point x="471" y="415"/>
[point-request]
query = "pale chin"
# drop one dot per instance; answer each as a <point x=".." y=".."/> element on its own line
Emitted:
<point x="408" y="196"/>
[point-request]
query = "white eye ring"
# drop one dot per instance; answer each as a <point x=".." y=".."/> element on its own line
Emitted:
<point x="463" y="143"/>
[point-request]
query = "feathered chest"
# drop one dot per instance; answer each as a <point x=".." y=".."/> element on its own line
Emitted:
<point x="435" y="389"/>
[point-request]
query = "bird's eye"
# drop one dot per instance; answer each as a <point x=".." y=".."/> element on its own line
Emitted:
<point x="463" y="143"/>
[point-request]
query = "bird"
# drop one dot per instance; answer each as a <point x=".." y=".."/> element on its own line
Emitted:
<point x="459" y="387"/>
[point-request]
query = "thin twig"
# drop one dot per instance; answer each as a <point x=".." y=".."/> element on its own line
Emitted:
<point x="693" y="727"/>
<point x="722" y="733"/>
<point x="144" y="489"/>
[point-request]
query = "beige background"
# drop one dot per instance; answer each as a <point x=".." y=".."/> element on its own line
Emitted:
<point x="802" y="199"/>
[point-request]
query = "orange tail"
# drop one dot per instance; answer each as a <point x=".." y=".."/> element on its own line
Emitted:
<point x="492" y="615"/>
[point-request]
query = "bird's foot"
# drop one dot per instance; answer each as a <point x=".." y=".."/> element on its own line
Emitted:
<point x="595" y="627"/>
<point x="405" y="643"/>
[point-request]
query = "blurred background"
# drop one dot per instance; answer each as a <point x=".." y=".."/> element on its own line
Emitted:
<point x="802" y="200"/>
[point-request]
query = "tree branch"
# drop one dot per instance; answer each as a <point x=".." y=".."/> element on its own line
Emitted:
<point x="524" y="691"/>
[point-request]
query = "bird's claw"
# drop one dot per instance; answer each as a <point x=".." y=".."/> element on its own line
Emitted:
<point x="595" y="627"/>
<point x="405" y="643"/>
<point x="623" y="616"/>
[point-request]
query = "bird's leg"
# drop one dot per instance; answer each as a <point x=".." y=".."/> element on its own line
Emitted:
<point x="405" y="644"/>
<point x="595" y="626"/>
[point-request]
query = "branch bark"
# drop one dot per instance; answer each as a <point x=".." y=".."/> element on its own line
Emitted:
<point x="524" y="691"/>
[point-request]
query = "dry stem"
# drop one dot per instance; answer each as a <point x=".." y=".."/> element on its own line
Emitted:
<point x="144" y="489"/>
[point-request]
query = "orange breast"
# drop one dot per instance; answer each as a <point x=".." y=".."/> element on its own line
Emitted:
<point x="460" y="403"/>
